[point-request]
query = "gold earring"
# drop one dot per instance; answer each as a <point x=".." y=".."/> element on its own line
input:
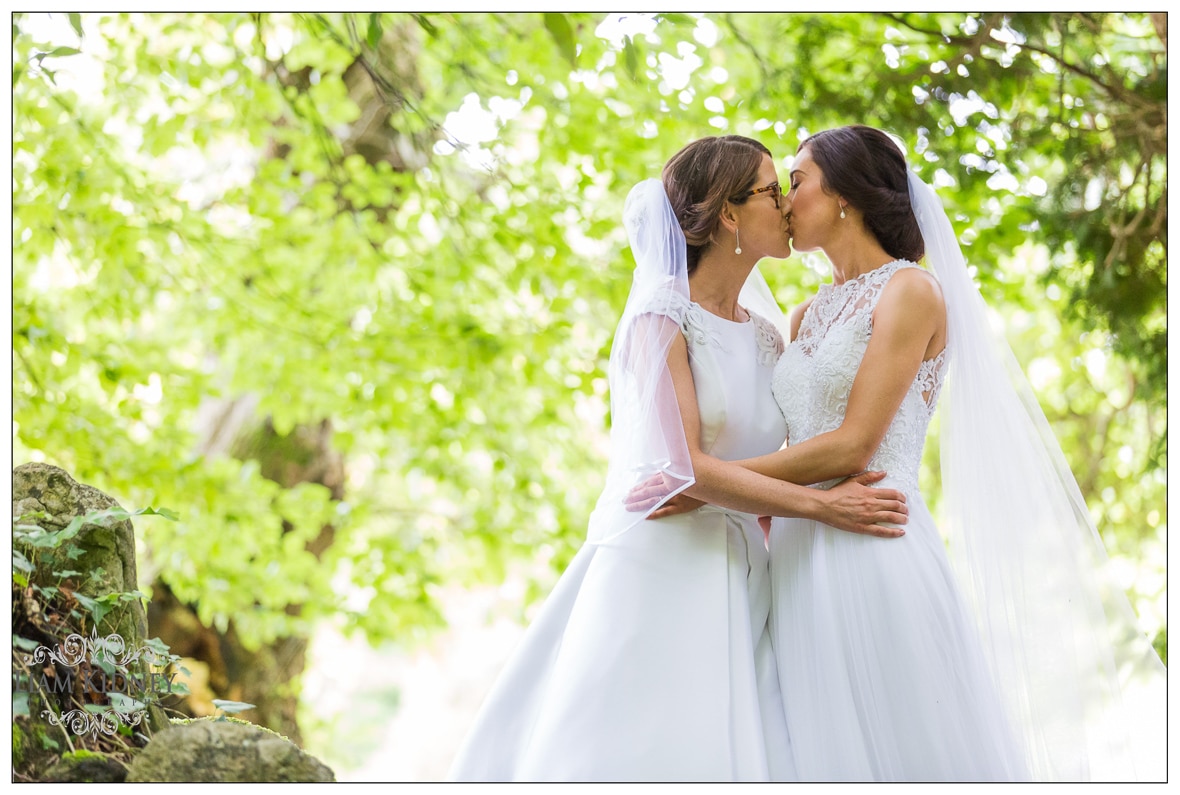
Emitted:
<point x="737" y="233"/>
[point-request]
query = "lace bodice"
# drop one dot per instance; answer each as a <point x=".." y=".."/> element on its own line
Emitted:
<point x="813" y="379"/>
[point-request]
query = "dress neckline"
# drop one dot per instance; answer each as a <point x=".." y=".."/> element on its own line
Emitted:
<point x="749" y="315"/>
<point x="864" y="276"/>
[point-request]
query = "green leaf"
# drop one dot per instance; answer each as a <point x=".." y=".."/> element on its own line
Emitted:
<point x="24" y="643"/>
<point x="677" y="19"/>
<point x="124" y="703"/>
<point x="164" y="512"/>
<point x="76" y="23"/>
<point x="20" y="562"/>
<point x="373" y="38"/>
<point x="20" y="704"/>
<point x="426" y="25"/>
<point x="96" y="608"/>
<point x="631" y="58"/>
<point x="61" y="52"/>
<point x="559" y="28"/>
<point x="231" y="707"/>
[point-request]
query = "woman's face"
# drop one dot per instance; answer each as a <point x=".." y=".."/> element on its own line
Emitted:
<point x="761" y="226"/>
<point x="812" y="212"/>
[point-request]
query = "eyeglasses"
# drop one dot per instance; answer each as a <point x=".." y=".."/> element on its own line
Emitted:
<point x="776" y="192"/>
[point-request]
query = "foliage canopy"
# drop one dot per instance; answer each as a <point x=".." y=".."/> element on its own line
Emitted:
<point x="407" y="225"/>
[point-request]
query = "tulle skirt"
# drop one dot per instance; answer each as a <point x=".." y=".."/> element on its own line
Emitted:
<point x="650" y="661"/>
<point x="882" y="672"/>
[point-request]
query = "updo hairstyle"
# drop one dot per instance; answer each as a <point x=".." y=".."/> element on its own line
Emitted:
<point x="701" y="177"/>
<point x="864" y="166"/>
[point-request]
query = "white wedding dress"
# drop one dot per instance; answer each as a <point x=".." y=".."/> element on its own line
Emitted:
<point x="882" y="672"/>
<point x="651" y="659"/>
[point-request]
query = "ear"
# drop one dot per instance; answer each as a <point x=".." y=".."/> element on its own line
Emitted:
<point x="728" y="217"/>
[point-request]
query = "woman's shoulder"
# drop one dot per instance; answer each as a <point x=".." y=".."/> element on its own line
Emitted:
<point x="913" y="287"/>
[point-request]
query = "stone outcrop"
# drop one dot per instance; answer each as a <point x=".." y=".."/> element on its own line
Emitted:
<point x="107" y="553"/>
<point x="85" y="766"/>
<point x="50" y="613"/>
<point x="59" y="648"/>
<point x="224" y="750"/>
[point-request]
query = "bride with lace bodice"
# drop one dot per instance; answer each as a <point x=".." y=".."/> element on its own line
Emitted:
<point x="813" y="380"/>
<point x="882" y="674"/>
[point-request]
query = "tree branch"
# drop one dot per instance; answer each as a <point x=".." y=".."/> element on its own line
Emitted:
<point x="1115" y="92"/>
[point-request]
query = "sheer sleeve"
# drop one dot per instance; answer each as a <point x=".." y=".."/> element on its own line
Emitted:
<point x="647" y="433"/>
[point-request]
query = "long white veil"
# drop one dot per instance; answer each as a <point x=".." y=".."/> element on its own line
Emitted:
<point x="1078" y="676"/>
<point x="647" y="432"/>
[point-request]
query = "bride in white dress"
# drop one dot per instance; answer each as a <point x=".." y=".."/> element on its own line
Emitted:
<point x="1017" y="661"/>
<point x="651" y="658"/>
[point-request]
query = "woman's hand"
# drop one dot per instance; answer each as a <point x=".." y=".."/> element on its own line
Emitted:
<point x="856" y="507"/>
<point x="681" y="503"/>
<point x="642" y="497"/>
<point x="651" y="491"/>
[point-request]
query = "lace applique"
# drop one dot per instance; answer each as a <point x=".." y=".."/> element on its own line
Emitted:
<point x="770" y="341"/>
<point x="685" y="314"/>
<point x="929" y="379"/>
<point x="696" y="328"/>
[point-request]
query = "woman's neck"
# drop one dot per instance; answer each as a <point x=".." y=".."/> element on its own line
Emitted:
<point x="715" y="284"/>
<point x="855" y="256"/>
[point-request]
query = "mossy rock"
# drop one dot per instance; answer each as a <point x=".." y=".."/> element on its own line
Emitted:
<point x="219" y="750"/>
<point x="35" y="746"/>
<point x="107" y="553"/>
<point x="86" y="766"/>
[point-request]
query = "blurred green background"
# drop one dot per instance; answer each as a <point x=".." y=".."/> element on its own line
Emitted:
<point x="339" y="289"/>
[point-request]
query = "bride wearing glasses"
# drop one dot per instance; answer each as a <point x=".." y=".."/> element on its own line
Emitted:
<point x="651" y="659"/>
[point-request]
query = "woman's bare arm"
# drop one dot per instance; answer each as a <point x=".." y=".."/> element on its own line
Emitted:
<point x="908" y="326"/>
<point x="857" y="509"/>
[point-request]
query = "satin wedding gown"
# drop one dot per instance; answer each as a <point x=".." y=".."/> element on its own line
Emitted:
<point x="651" y="659"/>
<point x="882" y="673"/>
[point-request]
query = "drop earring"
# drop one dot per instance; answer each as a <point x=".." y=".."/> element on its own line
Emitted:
<point x="737" y="233"/>
<point x="842" y="211"/>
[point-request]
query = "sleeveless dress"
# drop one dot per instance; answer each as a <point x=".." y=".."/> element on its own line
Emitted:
<point x="651" y="659"/>
<point x="882" y="671"/>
